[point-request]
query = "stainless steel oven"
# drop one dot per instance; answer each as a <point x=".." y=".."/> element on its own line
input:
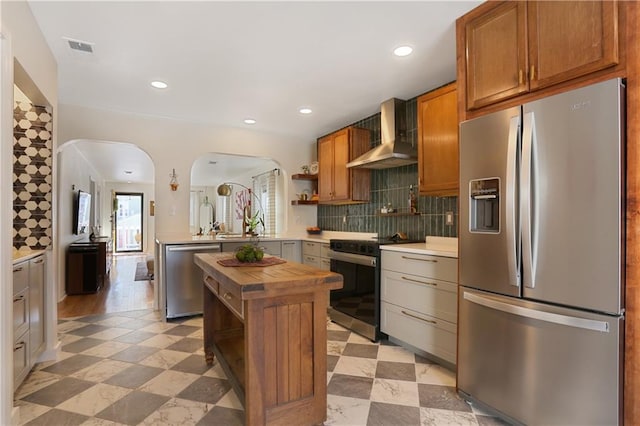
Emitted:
<point x="357" y="304"/>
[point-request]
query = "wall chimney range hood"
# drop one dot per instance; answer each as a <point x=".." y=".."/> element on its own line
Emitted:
<point x="394" y="151"/>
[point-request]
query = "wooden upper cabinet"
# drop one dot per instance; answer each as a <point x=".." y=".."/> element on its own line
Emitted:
<point x="515" y="47"/>
<point x="438" y="142"/>
<point x="568" y="39"/>
<point x="336" y="183"/>
<point x="496" y="54"/>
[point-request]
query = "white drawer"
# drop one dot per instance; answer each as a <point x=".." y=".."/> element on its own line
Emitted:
<point x="429" y="334"/>
<point x="425" y="295"/>
<point x="324" y="250"/>
<point x="21" y="312"/>
<point x="311" y="260"/>
<point x="424" y="265"/>
<point x="311" y="249"/>
<point x="325" y="264"/>
<point x="20" y="277"/>
<point x="21" y="361"/>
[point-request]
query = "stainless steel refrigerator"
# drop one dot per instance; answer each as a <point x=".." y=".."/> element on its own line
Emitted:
<point x="541" y="302"/>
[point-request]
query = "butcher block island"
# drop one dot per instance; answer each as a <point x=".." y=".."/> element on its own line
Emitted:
<point x="267" y="325"/>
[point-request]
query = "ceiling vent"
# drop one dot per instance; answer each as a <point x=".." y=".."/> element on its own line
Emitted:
<point x="79" y="46"/>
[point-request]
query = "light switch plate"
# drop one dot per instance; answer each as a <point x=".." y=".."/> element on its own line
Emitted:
<point x="448" y="218"/>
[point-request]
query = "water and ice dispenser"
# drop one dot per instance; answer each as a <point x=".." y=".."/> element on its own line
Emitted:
<point x="484" y="208"/>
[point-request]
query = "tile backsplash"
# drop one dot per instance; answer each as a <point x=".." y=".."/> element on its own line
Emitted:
<point x="392" y="186"/>
<point x="32" y="127"/>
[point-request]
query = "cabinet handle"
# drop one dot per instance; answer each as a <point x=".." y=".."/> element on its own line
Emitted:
<point x="287" y="244"/>
<point x="520" y="76"/>
<point x="417" y="317"/>
<point x="18" y="269"/>
<point x="17" y="299"/>
<point x="38" y="261"/>
<point x="19" y="346"/>
<point x="420" y="282"/>
<point x="227" y="295"/>
<point x="420" y="259"/>
<point x="532" y="73"/>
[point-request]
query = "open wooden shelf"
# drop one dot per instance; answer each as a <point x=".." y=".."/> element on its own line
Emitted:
<point x="302" y="176"/>
<point x="304" y="202"/>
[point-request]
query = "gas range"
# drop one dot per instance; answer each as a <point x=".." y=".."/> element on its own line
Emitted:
<point x="365" y="247"/>
<point x="357" y="304"/>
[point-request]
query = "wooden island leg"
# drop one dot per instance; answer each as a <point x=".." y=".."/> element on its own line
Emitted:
<point x="207" y="324"/>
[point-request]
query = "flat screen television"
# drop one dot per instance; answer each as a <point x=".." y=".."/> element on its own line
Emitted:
<point x="81" y="212"/>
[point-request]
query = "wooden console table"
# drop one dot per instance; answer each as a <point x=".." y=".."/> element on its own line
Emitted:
<point x="268" y="328"/>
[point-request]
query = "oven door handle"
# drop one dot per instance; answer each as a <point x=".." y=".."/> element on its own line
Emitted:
<point x="353" y="258"/>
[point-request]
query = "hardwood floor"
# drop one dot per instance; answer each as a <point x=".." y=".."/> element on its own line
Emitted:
<point x="120" y="292"/>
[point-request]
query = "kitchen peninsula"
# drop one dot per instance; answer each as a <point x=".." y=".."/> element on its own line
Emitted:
<point x="267" y="327"/>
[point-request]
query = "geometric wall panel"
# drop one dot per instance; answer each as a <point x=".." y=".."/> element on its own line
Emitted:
<point x="32" y="182"/>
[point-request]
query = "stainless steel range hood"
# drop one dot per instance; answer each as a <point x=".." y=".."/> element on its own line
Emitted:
<point x="394" y="150"/>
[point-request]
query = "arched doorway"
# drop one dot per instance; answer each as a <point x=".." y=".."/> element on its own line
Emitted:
<point x="105" y="169"/>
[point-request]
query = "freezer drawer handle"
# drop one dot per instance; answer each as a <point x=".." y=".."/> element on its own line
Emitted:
<point x="419" y="282"/>
<point x="569" y="321"/>
<point x="417" y="258"/>
<point x="417" y="317"/>
<point x="195" y="247"/>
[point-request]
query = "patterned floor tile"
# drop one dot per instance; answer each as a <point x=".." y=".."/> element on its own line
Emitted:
<point x="58" y="392"/>
<point x="133" y="408"/>
<point x="132" y="368"/>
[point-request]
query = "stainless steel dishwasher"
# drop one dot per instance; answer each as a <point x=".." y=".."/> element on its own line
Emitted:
<point x="183" y="279"/>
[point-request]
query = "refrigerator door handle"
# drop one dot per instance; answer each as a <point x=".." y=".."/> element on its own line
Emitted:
<point x="527" y="202"/>
<point x="511" y="225"/>
<point x="521" y="311"/>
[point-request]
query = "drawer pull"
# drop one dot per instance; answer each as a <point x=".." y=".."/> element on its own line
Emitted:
<point x="18" y="269"/>
<point x="38" y="261"/>
<point x="417" y="317"/>
<point x="419" y="258"/>
<point x="18" y="299"/>
<point x="419" y="282"/>
<point x="19" y="346"/>
<point x="227" y="295"/>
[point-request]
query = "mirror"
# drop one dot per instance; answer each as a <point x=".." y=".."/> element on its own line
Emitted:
<point x="211" y="213"/>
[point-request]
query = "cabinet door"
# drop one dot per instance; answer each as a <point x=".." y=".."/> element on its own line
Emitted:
<point x="438" y="142"/>
<point x="341" y="177"/>
<point x="36" y="305"/>
<point x="568" y="39"/>
<point x="292" y="250"/>
<point x="325" y="169"/>
<point x="496" y="49"/>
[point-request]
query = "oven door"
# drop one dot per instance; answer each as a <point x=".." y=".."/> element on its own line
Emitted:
<point x="357" y="304"/>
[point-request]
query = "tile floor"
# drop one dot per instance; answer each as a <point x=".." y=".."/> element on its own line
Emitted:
<point x="131" y="368"/>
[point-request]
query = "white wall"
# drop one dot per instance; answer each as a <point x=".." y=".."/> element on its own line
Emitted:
<point x="177" y="144"/>
<point x="74" y="173"/>
<point x="148" y="222"/>
<point x="25" y="43"/>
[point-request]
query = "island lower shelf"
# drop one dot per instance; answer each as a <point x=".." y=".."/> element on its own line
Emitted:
<point x="267" y="328"/>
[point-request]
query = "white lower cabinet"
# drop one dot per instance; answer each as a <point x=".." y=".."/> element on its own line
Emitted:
<point x="316" y="254"/>
<point x="28" y="310"/>
<point x="419" y="301"/>
<point x="292" y="251"/>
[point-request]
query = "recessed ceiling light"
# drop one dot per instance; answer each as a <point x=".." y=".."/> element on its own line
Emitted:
<point x="128" y="181"/>
<point x="306" y="110"/>
<point x="249" y="121"/>
<point x="159" y="84"/>
<point x="402" y="50"/>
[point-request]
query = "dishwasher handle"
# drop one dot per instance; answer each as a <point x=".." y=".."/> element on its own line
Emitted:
<point x="194" y="247"/>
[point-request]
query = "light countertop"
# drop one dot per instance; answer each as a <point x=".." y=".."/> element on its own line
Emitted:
<point x="324" y="237"/>
<point x="25" y="254"/>
<point x="435" y="246"/>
